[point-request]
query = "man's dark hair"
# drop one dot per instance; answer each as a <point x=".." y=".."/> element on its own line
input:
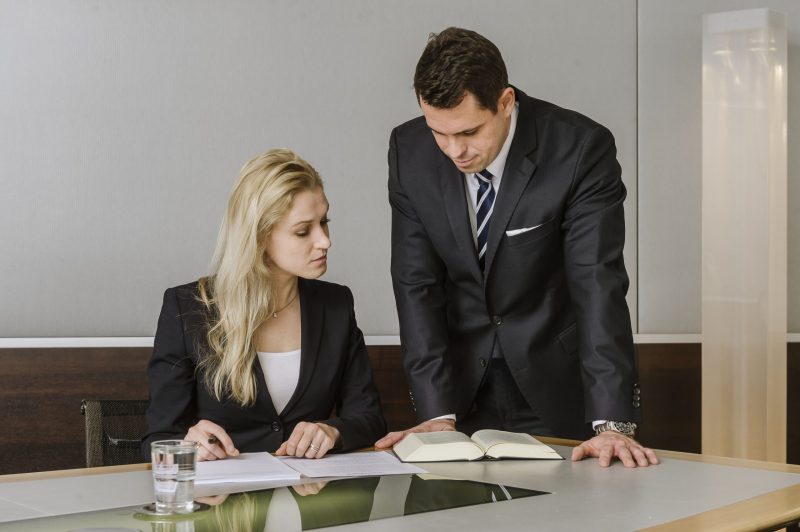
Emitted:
<point x="458" y="60"/>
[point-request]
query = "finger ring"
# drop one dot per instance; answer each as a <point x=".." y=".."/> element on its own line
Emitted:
<point x="314" y="447"/>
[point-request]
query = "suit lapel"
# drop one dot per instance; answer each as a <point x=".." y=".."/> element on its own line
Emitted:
<point x="455" y="203"/>
<point x="516" y="175"/>
<point x="311" y="325"/>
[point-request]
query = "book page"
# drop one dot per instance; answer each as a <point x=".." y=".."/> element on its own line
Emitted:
<point x="437" y="446"/>
<point x="445" y="436"/>
<point x="487" y="437"/>
<point x="502" y="444"/>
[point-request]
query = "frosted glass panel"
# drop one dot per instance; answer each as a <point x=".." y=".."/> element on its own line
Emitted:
<point x="744" y="234"/>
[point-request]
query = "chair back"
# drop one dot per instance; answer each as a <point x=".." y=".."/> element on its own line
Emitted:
<point x="114" y="428"/>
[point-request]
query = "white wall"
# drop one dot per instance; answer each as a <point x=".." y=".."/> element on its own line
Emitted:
<point x="124" y="125"/>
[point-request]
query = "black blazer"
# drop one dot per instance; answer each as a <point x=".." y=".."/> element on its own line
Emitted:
<point x="335" y="384"/>
<point x="553" y="296"/>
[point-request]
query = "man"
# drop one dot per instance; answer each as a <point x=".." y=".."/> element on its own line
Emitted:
<point x="507" y="237"/>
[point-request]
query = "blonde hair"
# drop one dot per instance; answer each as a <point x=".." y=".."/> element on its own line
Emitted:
<point x="240" y="292"/>
<point x="237" y="513"/>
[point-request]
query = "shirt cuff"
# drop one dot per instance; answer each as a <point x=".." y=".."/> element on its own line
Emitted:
<point x="446" y="416"/>
<point x="598" y="422"/>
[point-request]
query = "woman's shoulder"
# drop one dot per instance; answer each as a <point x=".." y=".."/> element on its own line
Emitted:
<point x="327" y="290"/>
<point x="191" y="289"/>
<point x="187" y="295"/>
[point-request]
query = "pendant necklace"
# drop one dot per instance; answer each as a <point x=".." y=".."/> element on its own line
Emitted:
<point x="275" y="313"/>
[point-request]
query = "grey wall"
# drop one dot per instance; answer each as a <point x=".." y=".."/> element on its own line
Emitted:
<point x="670" y="59"/>
<point x="124" y="125"/>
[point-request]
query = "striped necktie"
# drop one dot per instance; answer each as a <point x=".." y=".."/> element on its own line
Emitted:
<point x="483" y="211"/>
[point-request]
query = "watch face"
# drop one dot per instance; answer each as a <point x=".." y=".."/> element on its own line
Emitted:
<point x="623" y="427"/>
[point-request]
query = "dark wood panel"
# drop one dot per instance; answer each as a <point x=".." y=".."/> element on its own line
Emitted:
<point x="670" y="378"/>
<point x="390" y="379"/>
<point x="793" y="404"/>
<point x="41" y="390"/>
<point x="41" y="395"/>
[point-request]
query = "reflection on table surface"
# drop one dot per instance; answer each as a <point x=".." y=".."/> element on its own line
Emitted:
<point x="303" y="507"/>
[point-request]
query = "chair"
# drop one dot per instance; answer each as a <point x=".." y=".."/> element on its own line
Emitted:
<point x="114" y="428"/>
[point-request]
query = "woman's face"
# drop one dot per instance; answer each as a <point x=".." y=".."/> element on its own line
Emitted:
<point x="299" y="243"/>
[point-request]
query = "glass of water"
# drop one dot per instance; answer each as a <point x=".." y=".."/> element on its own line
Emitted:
<point x="174" y="465"/>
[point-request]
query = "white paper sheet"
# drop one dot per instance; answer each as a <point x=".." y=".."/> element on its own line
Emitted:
<point x="247" y="467"/>
<point x="367" y="464"/>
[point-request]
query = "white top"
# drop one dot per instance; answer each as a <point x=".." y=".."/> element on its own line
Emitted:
<point x="495" y="168"/>
<point x="281" y="371"/>
<point x="283" y="512"/>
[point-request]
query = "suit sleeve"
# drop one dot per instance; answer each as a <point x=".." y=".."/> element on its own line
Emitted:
<point x="171" y="376"/>
<point x="359" y="416"/>
<point x="418" y="279"/>
<point x="594" y="236"/>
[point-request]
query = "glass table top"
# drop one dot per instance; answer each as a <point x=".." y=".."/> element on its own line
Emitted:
<point x="307" y="506"/>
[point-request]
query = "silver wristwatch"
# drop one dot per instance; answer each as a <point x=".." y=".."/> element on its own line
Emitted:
<point x="626" y="428"/>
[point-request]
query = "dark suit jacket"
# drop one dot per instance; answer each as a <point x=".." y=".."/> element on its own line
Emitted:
<point x="553" y="297"/>
<point x="335" y="374"/>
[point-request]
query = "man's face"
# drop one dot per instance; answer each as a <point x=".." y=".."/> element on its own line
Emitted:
<point x="469" y="134"/>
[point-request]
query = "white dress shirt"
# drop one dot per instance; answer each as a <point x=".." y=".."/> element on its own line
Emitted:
<point x="496" y="167"/>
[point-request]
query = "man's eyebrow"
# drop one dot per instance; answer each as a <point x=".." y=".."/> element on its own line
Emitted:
<point x="465" y="131"/>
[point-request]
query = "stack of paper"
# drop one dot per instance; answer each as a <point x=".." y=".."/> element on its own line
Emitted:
<point x="371" y="464"/>
<point x="263" y="467"/>
<point x="247" y="467"/>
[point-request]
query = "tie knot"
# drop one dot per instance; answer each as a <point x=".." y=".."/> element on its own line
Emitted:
<point x="485" y="176"/>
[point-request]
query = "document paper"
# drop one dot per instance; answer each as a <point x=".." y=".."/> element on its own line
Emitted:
<point x="366" y="464"/>
<point x="247" y="467"/>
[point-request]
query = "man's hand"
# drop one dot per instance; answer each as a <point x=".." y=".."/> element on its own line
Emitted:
<point x="610" y="444"/>
<point x="433" y="425"/>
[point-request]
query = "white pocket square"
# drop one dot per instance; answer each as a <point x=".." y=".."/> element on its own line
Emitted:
<point x="514" y="232"/>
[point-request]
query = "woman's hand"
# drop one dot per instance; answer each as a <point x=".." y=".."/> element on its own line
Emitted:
<point x="310" y="488"/>
<point x="220" y="449"/>
<point x="213" y="500"/>
<point x="311" y="440"/>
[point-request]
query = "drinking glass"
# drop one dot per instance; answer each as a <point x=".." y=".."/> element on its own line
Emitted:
<point x="174" y="466"/>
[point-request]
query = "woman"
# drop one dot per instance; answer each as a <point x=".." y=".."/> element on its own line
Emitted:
<point x="261" y="356"/>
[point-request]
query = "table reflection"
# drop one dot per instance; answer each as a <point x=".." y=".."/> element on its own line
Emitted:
<point x="307" y="506"/>
<point x="319" y="505"/>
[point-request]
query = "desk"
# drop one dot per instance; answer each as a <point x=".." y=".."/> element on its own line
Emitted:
<point x="685" y="492"/>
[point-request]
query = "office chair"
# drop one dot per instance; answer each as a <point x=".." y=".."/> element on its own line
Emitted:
<point x="114" y="428"/>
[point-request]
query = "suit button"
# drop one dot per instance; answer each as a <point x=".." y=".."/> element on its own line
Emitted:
<point x="276" y="426"/>
<point x="497" y="320"/>
<point x="482" y="362"/>
<point x="636" y="403"/>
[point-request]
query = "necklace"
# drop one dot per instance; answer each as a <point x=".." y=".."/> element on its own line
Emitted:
<point x="275" y="313"/>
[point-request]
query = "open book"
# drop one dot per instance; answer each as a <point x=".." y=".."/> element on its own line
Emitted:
<point x="450" y="445"/>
